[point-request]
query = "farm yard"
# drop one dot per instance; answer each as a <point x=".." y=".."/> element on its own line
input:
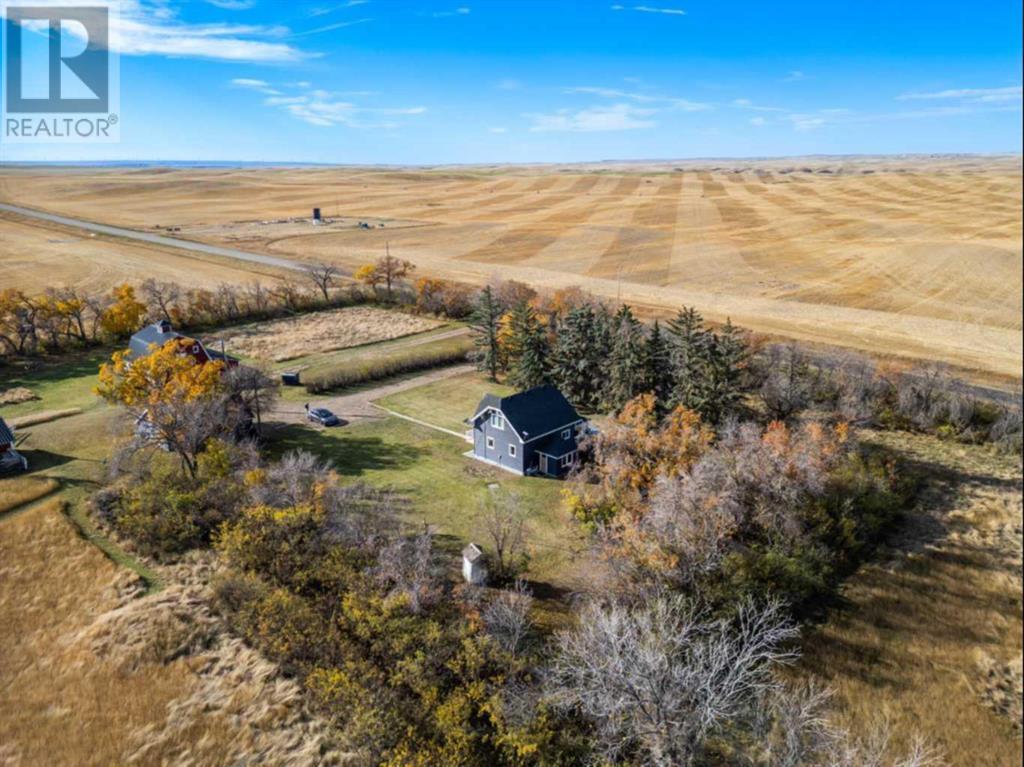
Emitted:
<point x="445" y="490"/>
<point x="871" y="253"/>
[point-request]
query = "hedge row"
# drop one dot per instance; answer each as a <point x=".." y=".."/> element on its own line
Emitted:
<point x="361" y="371"/>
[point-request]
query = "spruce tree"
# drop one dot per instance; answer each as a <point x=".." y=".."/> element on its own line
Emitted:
<point x="528" y="349"/>
<point x="659" y="366"/>
<point x="577" y="358"/>
<point x="485" y="321"/>
<point x="722" y="390"/>
<point x="627" y="373"/>
<point x="689" y="341"/>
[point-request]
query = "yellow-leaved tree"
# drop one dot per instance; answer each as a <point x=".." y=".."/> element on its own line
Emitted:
<point x="177" y="401"/>
<point x="125" y="315"/>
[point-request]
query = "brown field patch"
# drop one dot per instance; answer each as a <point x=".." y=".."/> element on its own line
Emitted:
<point x="918" y="258"/>
<point x="285" y="339"/>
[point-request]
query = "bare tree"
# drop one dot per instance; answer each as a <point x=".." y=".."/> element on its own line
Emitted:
<point x="504" y="525"/>
<point x="254" y="388"/>
<point x="292" y="481"/>
<point x="657" y="681"/>
<point x="787" y="388"/>
<point x="161" y="298"/>
<point x="407" y="567"/>
<point x="323" y="276"/>
<point x="507" y="617"/>
<point x="392" y="270"/>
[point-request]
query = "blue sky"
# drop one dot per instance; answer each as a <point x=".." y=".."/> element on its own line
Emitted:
<point x="394" y="81"/>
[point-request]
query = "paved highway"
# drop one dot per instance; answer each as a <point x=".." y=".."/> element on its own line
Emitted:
<point x="156" y="239"/>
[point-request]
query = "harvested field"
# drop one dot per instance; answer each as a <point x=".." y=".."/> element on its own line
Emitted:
<point x="911" y="257"/>
<point x="287" y="339"/>
<point x="35" y="255"/>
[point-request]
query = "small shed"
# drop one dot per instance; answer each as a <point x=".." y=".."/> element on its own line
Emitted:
<point x="474" y="568"/>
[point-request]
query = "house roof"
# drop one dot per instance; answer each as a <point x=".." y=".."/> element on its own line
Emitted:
<point x="534" y="412"/>
<point x="158" y="333"/>
<point x="6" y="434"/>
<point x="554" y="446"/>
<point x="472" y="552"/>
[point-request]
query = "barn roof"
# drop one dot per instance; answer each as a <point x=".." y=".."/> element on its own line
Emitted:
<point x="6" y="434"/>
<point x="158" y="333"/>
<point x="534" y="412"/>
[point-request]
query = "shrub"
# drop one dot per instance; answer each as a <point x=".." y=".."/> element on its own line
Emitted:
<point x="342" y="375"/>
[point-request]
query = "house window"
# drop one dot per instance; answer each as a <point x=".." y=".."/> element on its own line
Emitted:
<point x="567" y="434"/>
<point x="490" y="443"/>
<point x="567" y="460"/>
<point x="497" y="420"/>
<point x="512" y="450"/>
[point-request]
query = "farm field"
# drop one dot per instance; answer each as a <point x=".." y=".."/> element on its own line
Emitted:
<point x="910" y="257"/>
<point x="35" y="255"/>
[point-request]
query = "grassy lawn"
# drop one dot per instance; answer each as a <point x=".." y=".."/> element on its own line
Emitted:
<point x="70" y="451"/>
<point x="445" y="403"/>
<point x="446" y="490"/>
<point x="59" y="384"/>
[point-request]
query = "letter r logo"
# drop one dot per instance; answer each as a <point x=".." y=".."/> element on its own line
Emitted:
<point x="91" y="66"/>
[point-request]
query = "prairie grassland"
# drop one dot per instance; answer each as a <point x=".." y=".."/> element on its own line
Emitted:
<point x="929" y="636"/>
<point x="917" y="258"/>
<point x="294" y="337"/>
<point x="19" y="490"/>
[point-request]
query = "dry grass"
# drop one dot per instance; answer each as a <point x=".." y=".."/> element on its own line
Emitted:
<point x="35" y="255"/>
<point x="44" y="416"/>
<point x="18" y="491"/>
<point x="17" y="395"/>
<point x="294" y="337"/>
<point x="912" y="257"/>
<point x="930" y="637"/>
<point x="94" y="674"/>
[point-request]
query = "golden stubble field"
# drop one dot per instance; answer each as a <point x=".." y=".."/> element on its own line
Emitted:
<point x="913" y="257"/>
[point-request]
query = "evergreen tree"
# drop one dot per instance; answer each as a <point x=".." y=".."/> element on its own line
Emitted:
<point x="659" y="366"/>
<point x="723" y="388"/>
<point x="485" y="321"/>
<point x="690" y="344"/>
<point x="527" y="349"/>
<point x="578" y="357"/>
<point x="627" y="373"/>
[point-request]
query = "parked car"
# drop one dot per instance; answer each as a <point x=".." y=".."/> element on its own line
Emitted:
<point x="322" y="416"/>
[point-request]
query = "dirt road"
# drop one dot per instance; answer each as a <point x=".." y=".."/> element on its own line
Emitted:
<point x="357" y="406"/>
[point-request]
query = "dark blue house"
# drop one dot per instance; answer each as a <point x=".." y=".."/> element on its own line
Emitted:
<point x="533" y="432"/>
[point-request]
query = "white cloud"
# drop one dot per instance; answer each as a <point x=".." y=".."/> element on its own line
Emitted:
<point x="750" y="105"/>
<point x="323" y="108"/>
<point x="650" y="9"/>
<point x="323" y="10"/>
<point x="497" y="129"/>
<point x="645" y="98"/>
<point x="233" y="5"/>
<point x="330" y="27"/>
<point x="261" y="86"/>
<point x="152" y="28"/>
<point x="510" y="84"/>
<point x="794" y="76"/>
<point x="757" y="121"/>
<point x="460" y="11"/>
<point x="615" y="117"/>
<point x="969" y="95"/>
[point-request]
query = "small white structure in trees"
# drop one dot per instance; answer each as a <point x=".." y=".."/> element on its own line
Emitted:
<point x="474" y="569"/>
